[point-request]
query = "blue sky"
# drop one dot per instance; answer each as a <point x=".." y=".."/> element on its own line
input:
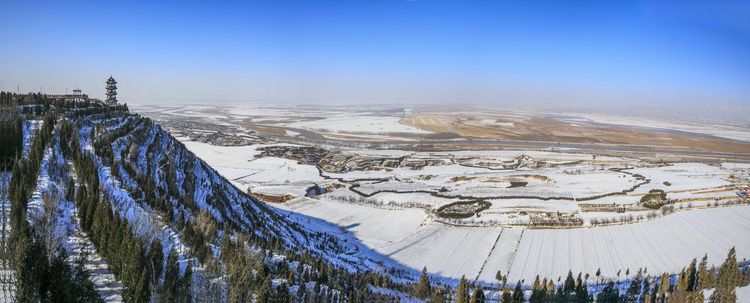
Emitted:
<point x="484" y="52"/>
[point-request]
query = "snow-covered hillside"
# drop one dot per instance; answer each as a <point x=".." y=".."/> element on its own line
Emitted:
<point x="125" y="212"/>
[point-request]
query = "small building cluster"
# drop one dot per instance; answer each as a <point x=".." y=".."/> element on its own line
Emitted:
<point x="79" y="96"/>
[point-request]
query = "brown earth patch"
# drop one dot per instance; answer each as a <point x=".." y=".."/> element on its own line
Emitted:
<point x="550" y="130"/>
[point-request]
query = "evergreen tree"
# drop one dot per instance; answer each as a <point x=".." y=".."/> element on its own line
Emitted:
<point x="82" y="282"/>
<point x="712" y="276"/>
<point x="31" y="268"/>
<point x="170" y="287"/>
<point x="538" y="291"/>
<point x="664" y="285"/>
<point x="507" y="297"/>
<point x="681" y="293"/>
<point x="723" y="295"/>
<point x="142" y="291"/>
<point x="656" y="292"/>
<point x="729" y="274"/>
<point x="692" y="276"/>
<point x="186" y="283"/>
<point x="703" y="274"/>
<point x="646" y="294"/>
<point x="518" y="293"/>
<point x="610" y="294"/>
<point x="155" y="257"/>
<point x="60" y="281"/>
<point x="682" y="283"/>
<point x="437" y="295"/>
<point x="570" y="284"/>
<point x="582" y="290"/>
<point x="634" y="290"/>
<point x="462" y="291"/>
<point x="550" y="289"/>
<point x="264" y="291"/>
<point x="477" y="296"/>
<point x="422" y="289"/>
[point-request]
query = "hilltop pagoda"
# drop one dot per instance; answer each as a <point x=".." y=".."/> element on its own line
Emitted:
<point x="111" y="91"/>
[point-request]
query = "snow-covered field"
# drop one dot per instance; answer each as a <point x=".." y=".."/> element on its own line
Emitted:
<point x="667" y="244"/>
<point x="397" y="225"/>
<point x="663" y="245"/>
<point x="264" y="175"/>
<point x="360" y="220"/>
<point x="447" y="251"/>
<point x="364" y="123"/>
<point x="736" y="131"/>
<point x="327" y="119"/>
<point x="743" y="294"/>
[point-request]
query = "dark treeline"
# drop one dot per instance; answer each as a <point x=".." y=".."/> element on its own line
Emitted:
<point x="685" y="287"/>
<point x="41" y="277"/>
<point x="11" y="135"/>
<point x="571" y="290"/>
<point x="136" y="263"/>
<point x="35" y="105"/>
<point x="8" y="98"/>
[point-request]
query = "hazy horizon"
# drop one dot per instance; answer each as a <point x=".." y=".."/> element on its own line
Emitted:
<point x="515" y="54"/>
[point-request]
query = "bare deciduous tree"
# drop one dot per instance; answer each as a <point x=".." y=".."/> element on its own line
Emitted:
<point x="46" y="228"/>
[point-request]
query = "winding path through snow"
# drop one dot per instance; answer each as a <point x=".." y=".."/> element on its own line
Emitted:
<point x="108" y="287"/>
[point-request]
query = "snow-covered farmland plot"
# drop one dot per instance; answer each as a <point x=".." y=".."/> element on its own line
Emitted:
<point x="362" y="123"/>
<point x="502" y="255"/>
<point x="374" y="227"/>
<point x="662" y="245"/>
<point x="666" y="244"/>
<point x="447" y="251"/>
